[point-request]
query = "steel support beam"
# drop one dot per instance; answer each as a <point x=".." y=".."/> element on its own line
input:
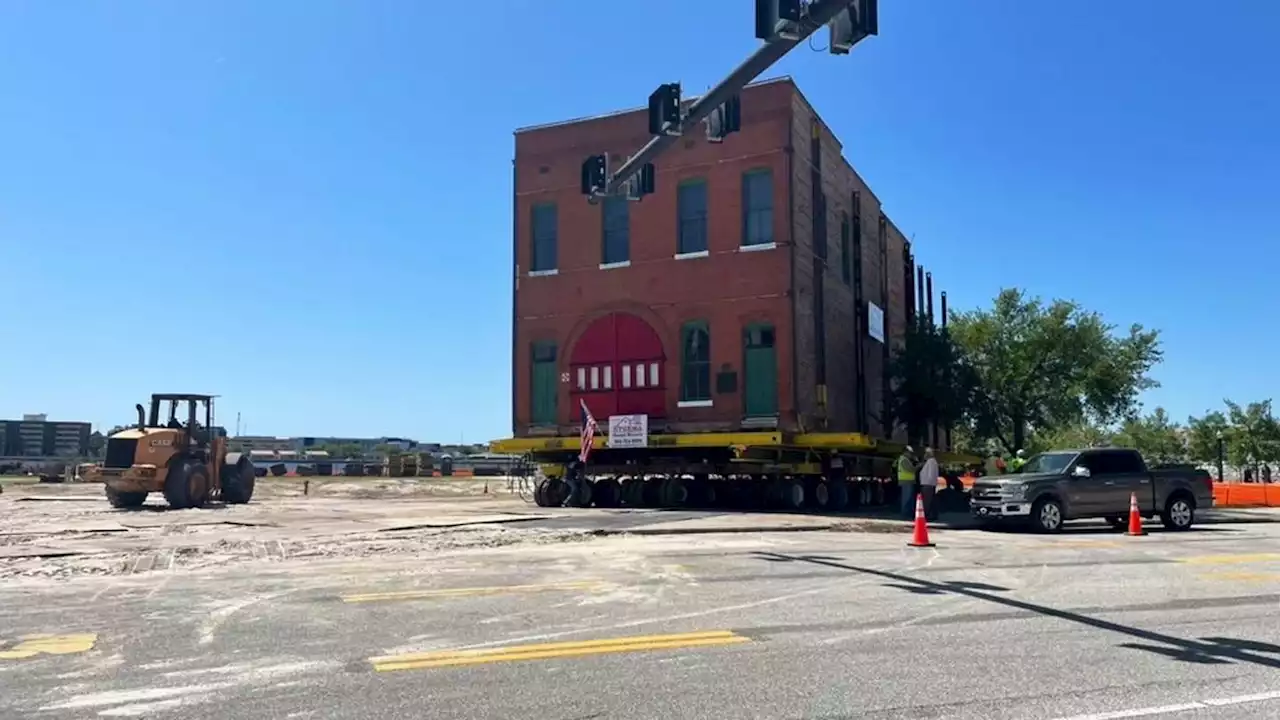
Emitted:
<point x="820" y="13"/>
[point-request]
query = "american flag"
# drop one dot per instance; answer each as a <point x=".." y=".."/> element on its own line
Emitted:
<point x="588" y="432"/>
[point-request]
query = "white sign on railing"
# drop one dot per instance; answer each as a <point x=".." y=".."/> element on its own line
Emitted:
<point x="628" y="431"/>
<point x="875" y="322"/>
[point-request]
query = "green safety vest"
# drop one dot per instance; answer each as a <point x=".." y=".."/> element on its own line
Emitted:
<point x="1017" y="463"/>
<point x="906" y="473"/>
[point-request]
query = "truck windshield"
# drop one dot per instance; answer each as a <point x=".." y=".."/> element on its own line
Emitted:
<point x="1050" y="462"/>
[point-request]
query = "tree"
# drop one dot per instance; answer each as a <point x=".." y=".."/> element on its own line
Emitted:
<point x="1158" y="438"/>
<point x="1253" y="436"/>
<point x="1203" y="434"/>
<point x="1045" y="367"/>
<point x="1077" y="435"/>
<point x="930" y="381"/>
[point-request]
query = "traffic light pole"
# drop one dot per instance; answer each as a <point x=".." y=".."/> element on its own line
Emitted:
<point x="820" y="13"/>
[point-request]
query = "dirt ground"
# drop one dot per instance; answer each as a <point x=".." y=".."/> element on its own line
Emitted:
<point x="67" y="530"/>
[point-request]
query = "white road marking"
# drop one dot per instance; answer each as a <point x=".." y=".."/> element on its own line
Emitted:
<point x="1182" y="707"/>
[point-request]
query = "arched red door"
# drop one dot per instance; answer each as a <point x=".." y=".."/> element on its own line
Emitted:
<point x="618" y="367"/>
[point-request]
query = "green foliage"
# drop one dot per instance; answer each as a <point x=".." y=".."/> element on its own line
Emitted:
<point x="1158" y="438"/>
<point x="931" y="381"/>
<point x="1253" y="434"/>
<point x="1048" y="367"/>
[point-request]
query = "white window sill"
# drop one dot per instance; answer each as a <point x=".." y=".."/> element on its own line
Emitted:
<point x="544" y="273"/>
<point x="695" y="403"/>
<point x="757" y="248"/>
<point x="692" y="255"/>
<point x="615" y="265"/>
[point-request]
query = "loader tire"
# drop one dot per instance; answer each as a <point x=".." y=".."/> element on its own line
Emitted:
<point x="120" y="499"/>
<point x="238" y="478"/>
<point x="187" y="485"/>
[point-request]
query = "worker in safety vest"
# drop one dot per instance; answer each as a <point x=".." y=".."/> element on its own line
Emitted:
<point x="906" y="471"/>
<point x="1019" y="459"/>
<point x="992" y="464"/>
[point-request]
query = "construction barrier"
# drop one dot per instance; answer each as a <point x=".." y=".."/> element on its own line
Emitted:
<point x="1242" y="495"/>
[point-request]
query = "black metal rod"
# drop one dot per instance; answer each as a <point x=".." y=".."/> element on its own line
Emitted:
<point x="820" y="12"/>
<point x="920" y="291"/>
<point x="928" y="289"/>
<point x="944" y="309"/>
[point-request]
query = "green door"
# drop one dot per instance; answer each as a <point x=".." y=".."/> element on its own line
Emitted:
<point x="542" y="409"/>
<point x="759" y="371"/>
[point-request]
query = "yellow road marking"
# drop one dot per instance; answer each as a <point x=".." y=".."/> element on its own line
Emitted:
<point x="469" y="592"/>
<point x="32" y="645"/>
<point x="1230" y="559"/>
<point x="542" y="651"/>
<point x="1243" y="576"/>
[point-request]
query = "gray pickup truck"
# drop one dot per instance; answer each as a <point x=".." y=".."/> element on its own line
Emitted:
<point x="1062" y="485"/>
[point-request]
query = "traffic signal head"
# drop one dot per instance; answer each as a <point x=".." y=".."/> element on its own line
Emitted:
<point x="725" y="120"/>
<point x="642" y="183"/>
<point x="852" y="25"/>
<point x="595" y="174"/>
<point x="664" y="108"/>
<point x="774" y="17"/>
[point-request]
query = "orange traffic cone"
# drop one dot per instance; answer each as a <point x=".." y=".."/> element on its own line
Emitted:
<point x="1135" y="519"/>
<point x="920" y="534"/>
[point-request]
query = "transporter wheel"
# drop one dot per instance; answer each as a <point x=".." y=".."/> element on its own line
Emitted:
<point x="608" y="493"/>
<point x="793" y="494"/>
<point x="651" y="492"/>
<point x="838" y="495"/>
<point x="675" y="492"/>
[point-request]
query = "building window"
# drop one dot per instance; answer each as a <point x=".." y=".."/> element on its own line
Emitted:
<point x="543" y="232"/>
<point x="691" y="209"/>
<point x="757" y="207"/>
<point x="616" y="214"/>
<point x="846" y="265"/>
<point x="695" y="362"/>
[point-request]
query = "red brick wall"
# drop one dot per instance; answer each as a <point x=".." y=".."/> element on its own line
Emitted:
<point x="844" y="322"/>
<point x="728" y="288"/>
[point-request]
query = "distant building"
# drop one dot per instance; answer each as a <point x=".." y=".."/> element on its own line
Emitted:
<point x="35" y="436"/>
<point x="261" y="443"/>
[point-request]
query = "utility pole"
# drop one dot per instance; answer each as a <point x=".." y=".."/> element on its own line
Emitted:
<point x="781" y="24"/>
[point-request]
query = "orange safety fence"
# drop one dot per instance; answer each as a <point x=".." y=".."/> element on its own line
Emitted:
<point x="1234" y="494"/>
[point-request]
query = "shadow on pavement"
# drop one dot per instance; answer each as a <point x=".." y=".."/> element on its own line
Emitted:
<point x="1209" y="650"/>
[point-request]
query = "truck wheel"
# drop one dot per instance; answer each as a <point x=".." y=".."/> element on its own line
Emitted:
<point x="186" y="485"/>
<point x="1046" y="515"/>
<point x="1179" y="513"/>
<point x="238" y="479"/>
<point x="125" y="499"/>
<point x="675" y="493"/>
<point x="793" y="494"/>
<point x="838" y="495"/>
<point x="608" y="493"/>
<point x="822" y="494"/>
<point x="582" y="498"/>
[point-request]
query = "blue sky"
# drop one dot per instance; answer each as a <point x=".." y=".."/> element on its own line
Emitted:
<point x="184" y="180"/>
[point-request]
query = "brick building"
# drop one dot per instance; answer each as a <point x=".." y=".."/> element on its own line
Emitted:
<point x="723" y="301"/>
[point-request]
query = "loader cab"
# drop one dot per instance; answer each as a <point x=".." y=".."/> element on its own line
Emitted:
<point x="193" y="414"/>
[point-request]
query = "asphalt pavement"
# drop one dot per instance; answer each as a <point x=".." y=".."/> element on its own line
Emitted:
<point x="1087" y="625"/>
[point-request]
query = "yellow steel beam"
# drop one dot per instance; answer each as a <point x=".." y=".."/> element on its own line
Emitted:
<point x="851" y="442"/>
<point x="684" y="440"/>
